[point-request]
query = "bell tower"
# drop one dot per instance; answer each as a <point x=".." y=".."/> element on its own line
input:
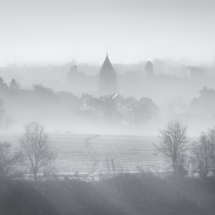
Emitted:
<point x="107" y="78"/>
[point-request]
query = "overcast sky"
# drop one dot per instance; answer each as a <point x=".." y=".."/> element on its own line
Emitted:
<point x="57" y="31"/>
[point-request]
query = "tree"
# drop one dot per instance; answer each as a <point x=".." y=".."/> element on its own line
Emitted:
<point x="2" y="112"/>
<point x="149" y="69"/>
<point x="203" y="154"/>
<point x="5" y="121"/>
<point x="14" y="85"/>
<point x="174" y="145"/>
<point x="113" y="165"/>
<point x="44" y="92"/>
<point x="3" y="85"/>
<point x="37" y="156"/>
<point x="205" y="103"/>
<point x="9" y="162"/>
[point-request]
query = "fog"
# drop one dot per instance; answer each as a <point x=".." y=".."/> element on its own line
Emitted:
<point x="107" y="107"/>
<point x="85" y="98"/>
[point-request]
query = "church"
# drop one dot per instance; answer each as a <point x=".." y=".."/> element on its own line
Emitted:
<point x="107" y="78"/>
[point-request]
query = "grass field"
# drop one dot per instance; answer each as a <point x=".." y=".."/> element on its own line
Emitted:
<point x="77" y="154"/>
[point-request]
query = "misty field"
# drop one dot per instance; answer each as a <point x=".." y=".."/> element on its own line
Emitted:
<point x="77" y="154"/>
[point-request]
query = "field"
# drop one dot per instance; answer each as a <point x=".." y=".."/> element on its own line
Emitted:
<point x="77" y="153"/>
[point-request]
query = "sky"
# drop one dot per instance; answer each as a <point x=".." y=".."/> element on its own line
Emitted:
<point x="60" y="31"/>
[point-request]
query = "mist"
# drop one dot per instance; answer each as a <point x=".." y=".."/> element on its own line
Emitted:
<point x="107" y="107"/>
<point x="75" y="98"/>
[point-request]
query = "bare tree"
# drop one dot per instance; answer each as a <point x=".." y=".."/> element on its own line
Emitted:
<point x="174" y="145"/>
<point x="113" y="165"/>
<point x="203" y="154"/>
<point x="37" y="156"/>
<point x="9" y="162"/>
<point x="93" y="155"/>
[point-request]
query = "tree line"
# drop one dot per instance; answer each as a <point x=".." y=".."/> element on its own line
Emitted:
<point x="45" y="102"/>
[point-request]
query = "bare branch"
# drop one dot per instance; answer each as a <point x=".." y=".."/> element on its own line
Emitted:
<point x="173" y="144"/>
<point x="37" y="157"/>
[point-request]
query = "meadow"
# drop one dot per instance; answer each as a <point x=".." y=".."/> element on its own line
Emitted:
<point x="88" y="153"/>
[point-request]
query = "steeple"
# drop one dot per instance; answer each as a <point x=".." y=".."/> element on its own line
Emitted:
<point x="107" y="83"/>
<point x="107" y="66"/>
<point x="106" y="51"/>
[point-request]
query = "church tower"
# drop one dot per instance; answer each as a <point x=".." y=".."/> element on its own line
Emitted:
<point x="107" y="78"/>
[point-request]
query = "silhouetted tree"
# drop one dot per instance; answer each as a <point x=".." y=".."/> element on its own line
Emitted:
<point x="14" y="85"/>
<point x="9" y="162"/>
<point x="203" y="154"/>
<point x="173" y="145"/>
<point x="37" y="156"/>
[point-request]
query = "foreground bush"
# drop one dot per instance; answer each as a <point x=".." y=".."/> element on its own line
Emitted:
<point x="23" y="198"/>
<point x="124" y="194"/>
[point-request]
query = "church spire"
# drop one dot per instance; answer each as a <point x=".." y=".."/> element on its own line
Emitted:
<point x="107" y="77"/>
<point x="107" y="51"/>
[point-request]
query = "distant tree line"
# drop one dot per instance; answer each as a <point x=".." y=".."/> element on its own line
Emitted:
<point x="45" y="102"/>
<point x="115" y="108"/>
